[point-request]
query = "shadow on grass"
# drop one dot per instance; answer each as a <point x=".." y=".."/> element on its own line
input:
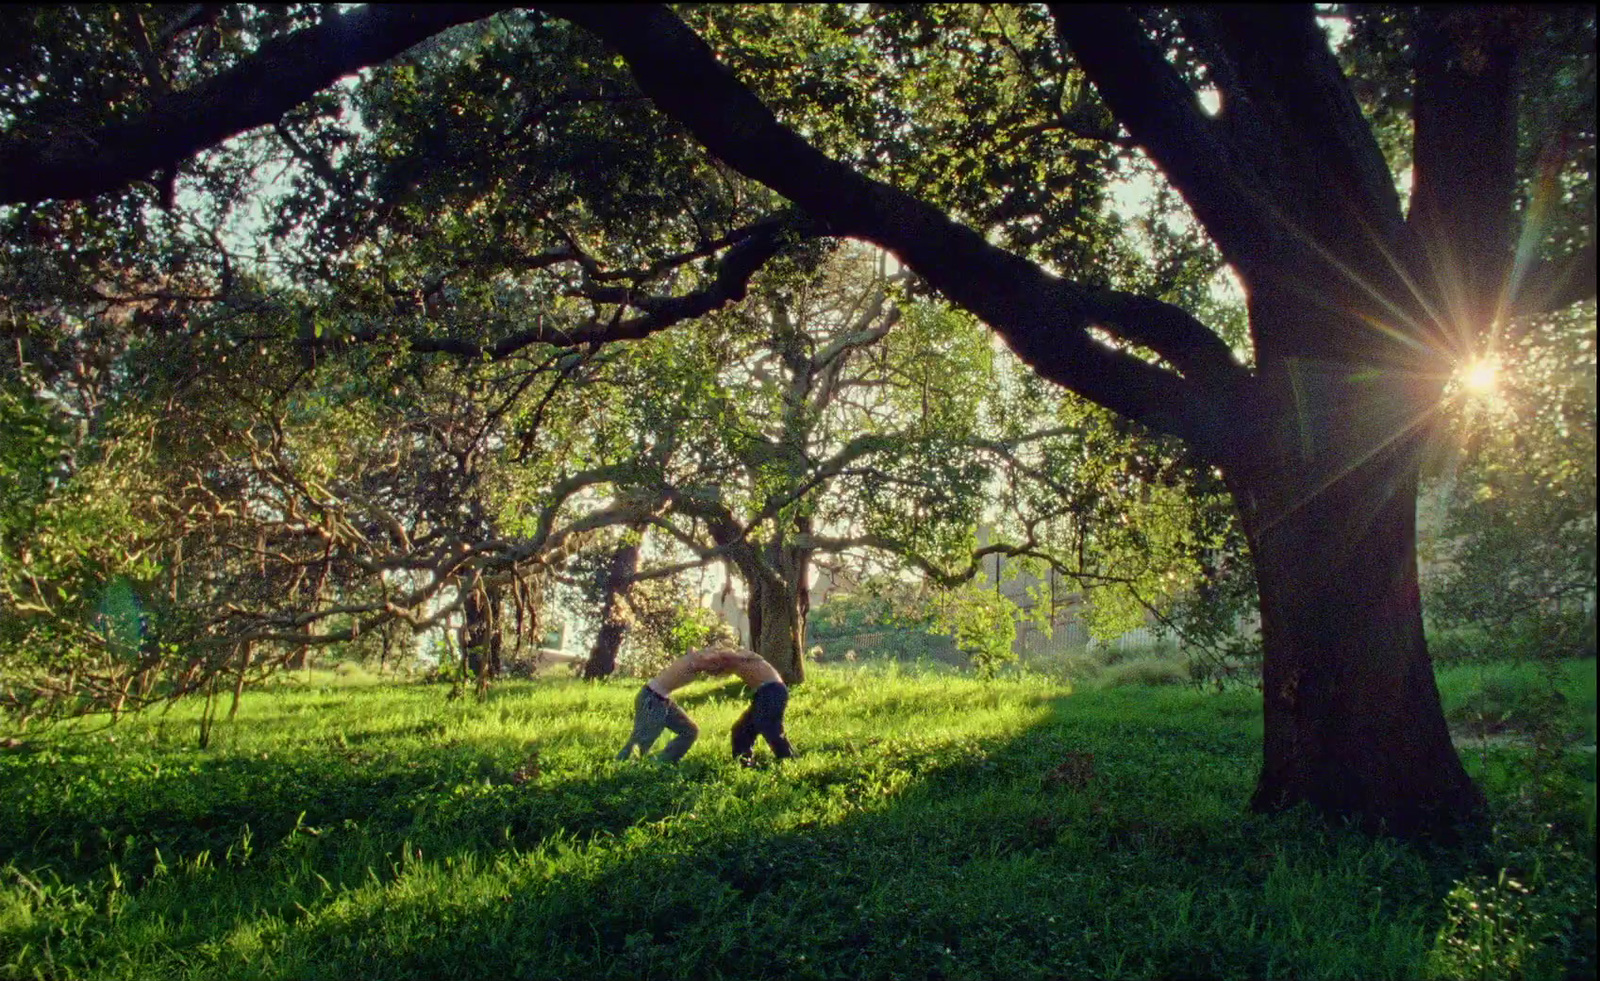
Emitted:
<point x="880" y="858"/>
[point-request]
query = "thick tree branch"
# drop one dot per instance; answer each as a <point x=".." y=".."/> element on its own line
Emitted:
<point x="69" y="163"/>
<point x="753" y="250"/>
<point x="133" y="25"/>
<point x="1288" y="180"/>
<point x="317" y="162"/>
<point x="939" y="574"/>
<point x="195" y="15"/>
<point x="1285" y="75"/>
<point x="776" y="223"/>
<point x="1161" y="112"/>
<point x="1171" y="332"/>
<point x="1465" y="145"/>
<point x="1044" y="318"/>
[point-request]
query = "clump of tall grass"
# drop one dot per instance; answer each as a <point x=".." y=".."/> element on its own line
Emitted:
<point x="1154" y="669"/>
<point x="1113" y="665"/>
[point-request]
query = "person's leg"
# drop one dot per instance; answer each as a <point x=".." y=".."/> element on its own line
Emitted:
<point x="684" y="732"/>
<point x="744" y="735"/>
<point x="649" y="718"/>
<point x="767" y="707"/>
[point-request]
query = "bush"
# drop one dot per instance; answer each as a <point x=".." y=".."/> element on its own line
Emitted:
<point x="1511" y="696"/>
<point x="1557" y="633"/>
<point x="1148" y="670"/>
<point x="892" y="626"/>
<point x="1490" y="930"/>
<point x="1506" y="705"/>
<point x="1078" y="665"/>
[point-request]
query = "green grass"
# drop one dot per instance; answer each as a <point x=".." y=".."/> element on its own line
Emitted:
<point x="382" y="831"/>
<point x="1500" y="696"/>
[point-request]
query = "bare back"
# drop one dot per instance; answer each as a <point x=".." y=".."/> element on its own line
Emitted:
<point x="751" y="668"/>
<point x="683" y="670"/>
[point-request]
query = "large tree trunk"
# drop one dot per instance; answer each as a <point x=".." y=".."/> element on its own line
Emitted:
<point x="481" y="644"/>
<point x="780" y="601"/>
<point x="778" y="626"/>
<point x="613" y="623"/>
<point x="1353" y="722"/>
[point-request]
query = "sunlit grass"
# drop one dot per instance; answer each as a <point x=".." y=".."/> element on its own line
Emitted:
<point x="389" y="832"/>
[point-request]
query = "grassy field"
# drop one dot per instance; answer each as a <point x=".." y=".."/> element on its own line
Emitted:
<point x="934" y="826"/>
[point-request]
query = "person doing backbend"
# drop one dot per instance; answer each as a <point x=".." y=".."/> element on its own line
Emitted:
<point x="654" y="709"/>
<point x="764" y="717"/>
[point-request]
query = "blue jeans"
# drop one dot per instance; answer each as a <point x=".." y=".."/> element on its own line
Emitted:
<point x="653" y="712"/>
<point x="764" y="717"/>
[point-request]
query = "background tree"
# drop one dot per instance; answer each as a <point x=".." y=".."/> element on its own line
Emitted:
<point x="621" y="567"/>
<point x="774" y="423"/>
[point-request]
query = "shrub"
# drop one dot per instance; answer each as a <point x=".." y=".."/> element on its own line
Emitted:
<point x="1568" y="632"/>
<point x="1509" y="696"/>
<point x="1077" y="665"/>
<point x="1114" y="653"/>
<point x="1148" y="670"/>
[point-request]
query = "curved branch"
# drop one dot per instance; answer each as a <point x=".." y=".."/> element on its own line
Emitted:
<point x="758" y="244"/>
<point x="945" y="577"/>
<point x="1163" y="114"/>
<point x="1171" y="332"/>
<point x="1042" y="317"/>
<point x="69" y="163"/>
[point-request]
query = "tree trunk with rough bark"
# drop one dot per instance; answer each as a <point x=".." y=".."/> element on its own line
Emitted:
<point x="481" y="644"/>
<point x="779" y="575"/>
<point x="613" y="623"/>
<point x="1353" y="722"/>
<point x="778" y="626"/>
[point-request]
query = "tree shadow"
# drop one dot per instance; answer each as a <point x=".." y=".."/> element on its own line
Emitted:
<point x="1083" y="847"/>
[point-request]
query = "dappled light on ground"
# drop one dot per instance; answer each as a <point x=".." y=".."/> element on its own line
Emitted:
<point x="933" y="825"/>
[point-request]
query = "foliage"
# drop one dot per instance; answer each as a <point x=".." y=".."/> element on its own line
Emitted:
<point x="917" y="95"/>
<point x="884" y="623"/>
<point x="1489" y="930"/>
<point x="666" y="621"/>
<point x="272" y="504"/>
<point x="418" y="221"/>
<point x="1148" y="671"/>
<point x="982" y="623"/>
<point x="76" y="569"/>
<point x="1129" y="519"/>
<point x="1514" y="543"/>
<point x="967" y="625"/>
